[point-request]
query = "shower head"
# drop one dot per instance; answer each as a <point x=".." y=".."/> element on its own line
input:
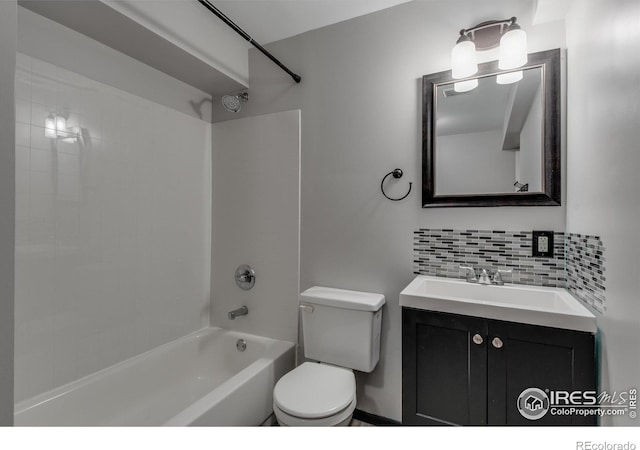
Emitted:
<point x="233" y="103"/>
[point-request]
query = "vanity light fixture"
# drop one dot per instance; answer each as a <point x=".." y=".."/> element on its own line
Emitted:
<point x="513" y="47"/>
<point x="463" y="57"/>
<point x="506" y="34"/>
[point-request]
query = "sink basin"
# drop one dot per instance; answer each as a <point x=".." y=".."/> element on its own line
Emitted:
<point x="535" y="305"/>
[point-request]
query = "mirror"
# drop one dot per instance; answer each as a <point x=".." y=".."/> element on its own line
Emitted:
<point x="495" y="144"/>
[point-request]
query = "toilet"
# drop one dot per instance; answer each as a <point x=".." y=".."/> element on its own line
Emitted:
<point x="341" y="331"/>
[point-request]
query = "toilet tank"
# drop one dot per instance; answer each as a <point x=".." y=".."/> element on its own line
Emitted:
<point x="342" y="327"/>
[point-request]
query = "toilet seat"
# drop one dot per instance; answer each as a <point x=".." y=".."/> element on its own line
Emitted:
<point x="313" y="392"/>
<point x="342" y="418"/>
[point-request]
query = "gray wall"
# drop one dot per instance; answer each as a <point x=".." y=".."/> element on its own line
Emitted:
<point x="361" y="117"/>
<point x="8" y="30"/>
<point x="603" y="161"/>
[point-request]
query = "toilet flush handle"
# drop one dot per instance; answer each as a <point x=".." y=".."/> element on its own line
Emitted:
<point x="306" y="308"/>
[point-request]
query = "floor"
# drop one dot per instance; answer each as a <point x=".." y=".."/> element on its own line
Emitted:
<point x="359" y="423"/>
<point x="272" y="422"/>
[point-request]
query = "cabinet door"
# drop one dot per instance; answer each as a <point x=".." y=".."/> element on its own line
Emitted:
<point x="536" y="357"/>
<point x="444" y="372"/>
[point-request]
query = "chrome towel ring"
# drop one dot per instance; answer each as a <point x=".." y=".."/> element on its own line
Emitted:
<point x="397" y="173"/>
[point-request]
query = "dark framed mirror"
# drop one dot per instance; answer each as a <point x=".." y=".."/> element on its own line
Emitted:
<point x="496" y="144"/>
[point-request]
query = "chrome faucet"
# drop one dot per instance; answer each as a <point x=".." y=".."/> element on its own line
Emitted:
<point x="497" y="277"/>
<point x="242" y="311"/>
<point x="486" y="277"/>
<point x="471" y="274"/>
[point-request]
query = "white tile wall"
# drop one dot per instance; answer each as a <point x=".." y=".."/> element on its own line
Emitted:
<point x="112" y="234"/>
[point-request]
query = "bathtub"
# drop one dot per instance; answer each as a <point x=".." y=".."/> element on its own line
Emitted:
<point x="201" y="379"/>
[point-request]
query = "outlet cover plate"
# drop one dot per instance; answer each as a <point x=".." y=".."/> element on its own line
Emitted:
<point x="538" y="244"/>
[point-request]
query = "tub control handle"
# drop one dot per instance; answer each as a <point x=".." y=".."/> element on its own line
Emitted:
<point x="245" y="277"/>
<point x="306" y="308"/>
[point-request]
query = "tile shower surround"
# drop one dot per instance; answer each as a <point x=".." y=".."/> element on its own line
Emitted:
<point x="441" y="252"/>
<point x="111" y="259"/>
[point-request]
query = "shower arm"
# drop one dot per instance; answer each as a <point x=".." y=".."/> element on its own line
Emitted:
<point x="207" y="4"/>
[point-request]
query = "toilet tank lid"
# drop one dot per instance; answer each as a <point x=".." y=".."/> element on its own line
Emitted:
<point x="342" y="298"/>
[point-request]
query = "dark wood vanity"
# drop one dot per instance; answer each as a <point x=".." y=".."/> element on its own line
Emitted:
<point x="462" y="370"/>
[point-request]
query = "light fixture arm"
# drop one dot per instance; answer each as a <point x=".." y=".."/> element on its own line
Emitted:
<point x="486" y="35"/>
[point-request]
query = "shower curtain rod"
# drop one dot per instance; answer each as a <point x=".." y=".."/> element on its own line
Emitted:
<point x="207" y="4"/>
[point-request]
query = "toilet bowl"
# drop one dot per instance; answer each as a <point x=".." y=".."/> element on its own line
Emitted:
<point x="315" y="394"/>
<point x="341" y="329"/>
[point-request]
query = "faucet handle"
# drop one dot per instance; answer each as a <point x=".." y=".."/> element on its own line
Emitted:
<point x="471" y="273"/>
<point x="497" y="276"/>
<point x="485" y="277"/>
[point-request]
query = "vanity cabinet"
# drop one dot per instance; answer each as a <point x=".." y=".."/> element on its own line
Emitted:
<point x="462" y="370"/>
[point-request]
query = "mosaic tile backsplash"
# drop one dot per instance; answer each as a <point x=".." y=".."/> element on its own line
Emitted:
<point x="442" y="252"/>
<point x="577" y="263"/>
<point x="585" y="269"/>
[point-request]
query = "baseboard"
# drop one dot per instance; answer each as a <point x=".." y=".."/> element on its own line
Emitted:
<point x="372" y="419"/>
<point x="271" y="421"/>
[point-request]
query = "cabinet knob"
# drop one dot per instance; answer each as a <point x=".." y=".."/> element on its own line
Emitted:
<point x="497" y="342"/>
<point x="477" y="339"/>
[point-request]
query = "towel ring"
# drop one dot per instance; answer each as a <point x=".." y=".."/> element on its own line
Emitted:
<point x="397" y="173"/>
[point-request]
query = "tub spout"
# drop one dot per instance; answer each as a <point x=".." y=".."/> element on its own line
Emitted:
<point x="242" y="311"/>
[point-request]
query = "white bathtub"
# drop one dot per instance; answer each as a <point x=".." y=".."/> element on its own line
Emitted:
<point x="200" y="379"/>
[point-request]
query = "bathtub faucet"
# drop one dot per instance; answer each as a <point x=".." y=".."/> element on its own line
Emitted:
<point x="242" y="311"/>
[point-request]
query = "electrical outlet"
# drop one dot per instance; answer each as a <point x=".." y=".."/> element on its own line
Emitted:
<point x="542" y="244"/>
